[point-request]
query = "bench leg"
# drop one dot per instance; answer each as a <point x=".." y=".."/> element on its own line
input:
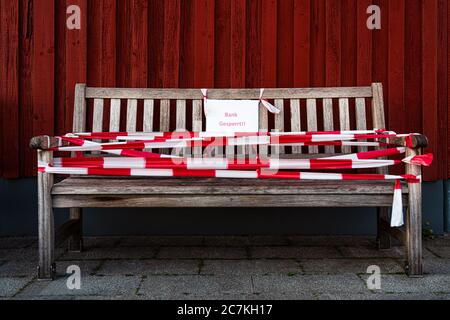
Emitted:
<point x="383" y="238"/>
<point x="76" y="240"/>
<point x="46" y="268"/>
<point x="414" y="266"/>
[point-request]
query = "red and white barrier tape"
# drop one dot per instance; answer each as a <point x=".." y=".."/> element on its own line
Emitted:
<point x="132" y="161"/>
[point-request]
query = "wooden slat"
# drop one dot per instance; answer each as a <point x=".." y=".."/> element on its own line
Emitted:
<point x="361" y="119"/>
<point x="180" y="121"/>
<point x="197" y="120"/>
<point x="79" y="115"/>
<point x="311" y="112"/>
<point x="205" y="201"/>
<point x="279" y="125"/>
<point x="97" y="118"/>
<point x="131" y="115"/>
<point x="114" y="118"/>
<point x="9" y="89"/>
<point x="164" y="119"/>
<point x="264" y="127"/>
<point x="344" y="120"/>
<point x="148" y="115"/>
<point x="206" y="186"/>
<point x="295" y="121"/>
<point x="328" y="122"/>
<point x="306" y="93"/>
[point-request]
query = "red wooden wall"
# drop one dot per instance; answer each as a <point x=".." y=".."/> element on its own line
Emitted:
<point x="222" y="43"/>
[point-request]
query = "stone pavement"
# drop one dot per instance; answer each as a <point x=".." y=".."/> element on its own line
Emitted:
<point x="225" y="267"/>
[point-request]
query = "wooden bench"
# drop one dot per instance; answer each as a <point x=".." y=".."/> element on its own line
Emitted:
<point x="309" y="109"/>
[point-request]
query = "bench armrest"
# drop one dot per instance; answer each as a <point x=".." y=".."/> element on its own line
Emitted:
<point x="414" y="141"/>
<point x="44" y="142"/>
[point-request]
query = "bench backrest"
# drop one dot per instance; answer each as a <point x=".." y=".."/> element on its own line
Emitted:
<point x="312" y="109"/>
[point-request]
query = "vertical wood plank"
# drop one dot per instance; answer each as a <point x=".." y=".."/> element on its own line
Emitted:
<point x="318" y="34"/>
<point x="114" y="117"/>
<point x="328" y="122"/>
<point x="97" y="118"/>
<point x="76" y="57"/>
<point x="171" y="44"/>
<point x="285" y="44"/>
<point x="430" y="116"/>
<point x="364" y="45"/>
<point x="204" y="43"/>
<point x="333" y="43"/>
<point x="311" y="113"/>
<point x="396" y="66"/>
<point x="344" y="120"/>
<point x="279" y="125"/>
<point x="295" y="121"/>
<point x="101" y="70"/>
<point x="413" y="65"/>
<point x="263" y="127"/>
<point x="302" y="38"/>
<point x="361" y="119"/>
<point x="28" y="157"/>
<point x="131" y="115"/>
<point x="268" y="46"/>
<point x="46" y="228"/>
<point x="148" y="115"/>
<point x="181" y="122"/>
<point x="164" y="119"/>
<point x="9" y="88"/>
<point x="222" y="44"/>
<point x="197" y="118"/>
<point x="348" y="42"/>
<point x="414" y="220"/>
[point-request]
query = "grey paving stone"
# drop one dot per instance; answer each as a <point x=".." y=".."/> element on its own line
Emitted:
<point x="202" y="253"/>
<point x="148" y="241"/>
<point x="372" y="252"/>
<point x="14" y="268"/>
<point x="232" y="241"/>
<point x="331" y="240"/>
<point x="269" y="240"/>
<point x="250" y="267"/>
<point x="11" y="286"/>
<point x="112" y="253"/>
<point x="25" y="254"/>
<point x="150" y="267"/>
<point x="438" y="241"/>
<point x="440" y="251"/>
<point x="16" y="242"/>
<point x="412" y="296"/>
<point x="161" y="287"/>
<point x="90" y="286"/>
<point x="101" y="242"/>
<point x="348" y="296"/>
<point x="343" y="266"/>
<point x="294" y="252"/>
<point x="404" y="284"/>
<point x="435" y="266"/>
<point x="311" y="284"/>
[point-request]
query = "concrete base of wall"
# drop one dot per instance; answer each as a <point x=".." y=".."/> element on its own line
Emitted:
<point x="18" y="216"/>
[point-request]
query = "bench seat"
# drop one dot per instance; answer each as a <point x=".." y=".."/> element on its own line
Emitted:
<point x="208" y="192"/>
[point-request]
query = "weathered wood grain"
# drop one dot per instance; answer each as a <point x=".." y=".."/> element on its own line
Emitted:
<point x="307" y="93"/>
<point x="45" y="220"/>
<point x="194" y="200"/>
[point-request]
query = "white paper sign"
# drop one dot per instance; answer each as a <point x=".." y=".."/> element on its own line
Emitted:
<point x="232" y="115"/>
